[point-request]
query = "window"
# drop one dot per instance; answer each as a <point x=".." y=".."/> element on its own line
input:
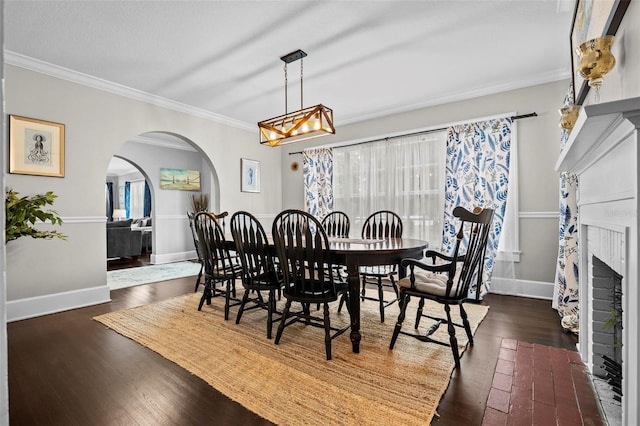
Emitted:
<point x="404" y="174"/>
<point x="136" y="199"/>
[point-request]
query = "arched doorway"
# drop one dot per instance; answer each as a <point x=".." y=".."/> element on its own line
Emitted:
<point x="149" y="154"/>
<point x="128" y="202"/>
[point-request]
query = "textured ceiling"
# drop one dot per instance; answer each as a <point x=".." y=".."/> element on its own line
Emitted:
<point x="365" y="58"/>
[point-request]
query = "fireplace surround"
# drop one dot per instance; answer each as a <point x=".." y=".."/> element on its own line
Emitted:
<point x="603" y="151"/>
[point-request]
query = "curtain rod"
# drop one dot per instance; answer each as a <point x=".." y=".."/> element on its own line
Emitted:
<point x="513" y="117"/>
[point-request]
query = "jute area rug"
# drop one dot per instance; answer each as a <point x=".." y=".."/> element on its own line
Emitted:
<point x="292" y="383"/>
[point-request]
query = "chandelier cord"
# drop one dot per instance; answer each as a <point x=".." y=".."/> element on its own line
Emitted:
<point x="286" y="111"/>
<point x="301" y="85"/>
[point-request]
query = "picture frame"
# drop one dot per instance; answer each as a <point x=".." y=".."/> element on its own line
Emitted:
<point x="180" y="179"/>
<point x="36" y="147"/>
<point x="249" y="175"/>
<point x="591" y="19"/>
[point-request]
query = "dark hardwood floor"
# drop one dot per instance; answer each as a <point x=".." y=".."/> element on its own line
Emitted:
<point x="127" y="262"/>
<point x="66" y="369"/>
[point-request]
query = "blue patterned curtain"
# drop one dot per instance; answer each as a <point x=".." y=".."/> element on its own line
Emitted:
<point x="565" y="298"/>
<point x="477" y="175"/>
<point x="110" y="201"/>
<point x="127" y="198"/>
<point x="317" y="170"/>
<point x="147" y="200"/>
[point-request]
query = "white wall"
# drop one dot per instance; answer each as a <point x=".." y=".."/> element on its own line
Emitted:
<point x="58" y="275"/>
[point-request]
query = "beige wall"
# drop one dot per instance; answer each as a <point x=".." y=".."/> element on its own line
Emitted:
<point x="97" y="123"/>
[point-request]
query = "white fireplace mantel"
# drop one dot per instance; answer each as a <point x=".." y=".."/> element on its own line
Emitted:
<point x="602" y="150"/>
<point x="596" y="125"/>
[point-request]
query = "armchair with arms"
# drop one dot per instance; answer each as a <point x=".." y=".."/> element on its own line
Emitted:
<point x="447" y="279"/>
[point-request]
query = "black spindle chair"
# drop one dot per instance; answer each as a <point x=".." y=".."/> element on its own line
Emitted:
<point x="446" y="279"/>
<point x="380" y="225"/>
<point x="336" y="224"/>
<point x="302" y="247"/>
<point x="219" y="267"/>
<point x="259" y="274"/>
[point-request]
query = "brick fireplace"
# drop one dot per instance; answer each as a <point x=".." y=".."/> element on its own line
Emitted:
<point x="603" y="151"/>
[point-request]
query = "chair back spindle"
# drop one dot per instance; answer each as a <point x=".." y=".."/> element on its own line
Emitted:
<point x="382" y="224"/>
<point x="336" y="224"/>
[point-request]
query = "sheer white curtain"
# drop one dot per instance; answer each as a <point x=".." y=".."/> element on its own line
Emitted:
<point x="136" y="200"/>
<point x="404" y="174"/>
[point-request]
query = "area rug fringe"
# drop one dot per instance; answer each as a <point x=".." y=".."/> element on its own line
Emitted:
<point x="292" y="383"/>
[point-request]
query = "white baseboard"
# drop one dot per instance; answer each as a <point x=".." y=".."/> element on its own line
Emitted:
<point x="157" y="259"/>
<point x="522" y="288"/>
<point x="58" y="302"/>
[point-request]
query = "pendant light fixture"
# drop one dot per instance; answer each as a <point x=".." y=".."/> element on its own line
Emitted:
<point x="306" y="123"/>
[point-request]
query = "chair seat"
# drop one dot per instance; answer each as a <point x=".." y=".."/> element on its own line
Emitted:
<point x="430" y="282"/>
<point x="227" y="272"/>
<point x="328" y="294"/>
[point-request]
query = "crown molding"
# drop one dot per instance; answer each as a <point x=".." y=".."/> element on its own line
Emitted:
<point x="42" y="67"/>
<point x="463" y="96"/>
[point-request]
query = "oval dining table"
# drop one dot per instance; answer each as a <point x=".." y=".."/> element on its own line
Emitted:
<point x="354" y="253"/>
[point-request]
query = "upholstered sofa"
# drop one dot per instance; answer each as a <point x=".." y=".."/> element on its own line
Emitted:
<point x="143" y="225"/>
<point x="122" y="241"/>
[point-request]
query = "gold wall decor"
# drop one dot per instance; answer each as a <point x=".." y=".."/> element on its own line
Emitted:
<point x="569" y="116"/>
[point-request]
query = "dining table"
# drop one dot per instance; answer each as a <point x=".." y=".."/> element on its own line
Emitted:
<point x="354" y="253"/>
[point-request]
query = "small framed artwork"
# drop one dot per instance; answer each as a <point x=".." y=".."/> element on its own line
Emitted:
<point x="250" y="176"/>
<point x="36" y="147"/>
<point x="592" y="19"/>
<point x="185" y="180"/>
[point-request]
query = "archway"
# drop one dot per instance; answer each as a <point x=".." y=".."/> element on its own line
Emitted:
<point x="149" y="153"/>
<point x="129" y="204"/>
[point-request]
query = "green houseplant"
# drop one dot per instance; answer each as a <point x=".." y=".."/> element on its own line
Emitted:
<point x="23" y="212"/>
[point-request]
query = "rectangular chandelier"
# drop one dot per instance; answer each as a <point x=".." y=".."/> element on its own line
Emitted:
<point x="296" y="126"/>
<point x="306" y="123"/>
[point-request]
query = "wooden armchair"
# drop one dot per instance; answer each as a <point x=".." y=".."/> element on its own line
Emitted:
<point x="446" y="280"/>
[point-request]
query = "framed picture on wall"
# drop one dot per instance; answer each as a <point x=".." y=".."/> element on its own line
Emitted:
<point x="36" y="147"/>
<point x="185" y="180"/>
<point x="250" y="175"/>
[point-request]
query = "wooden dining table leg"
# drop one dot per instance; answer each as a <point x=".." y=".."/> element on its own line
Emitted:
<point x="353" y="271"/>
